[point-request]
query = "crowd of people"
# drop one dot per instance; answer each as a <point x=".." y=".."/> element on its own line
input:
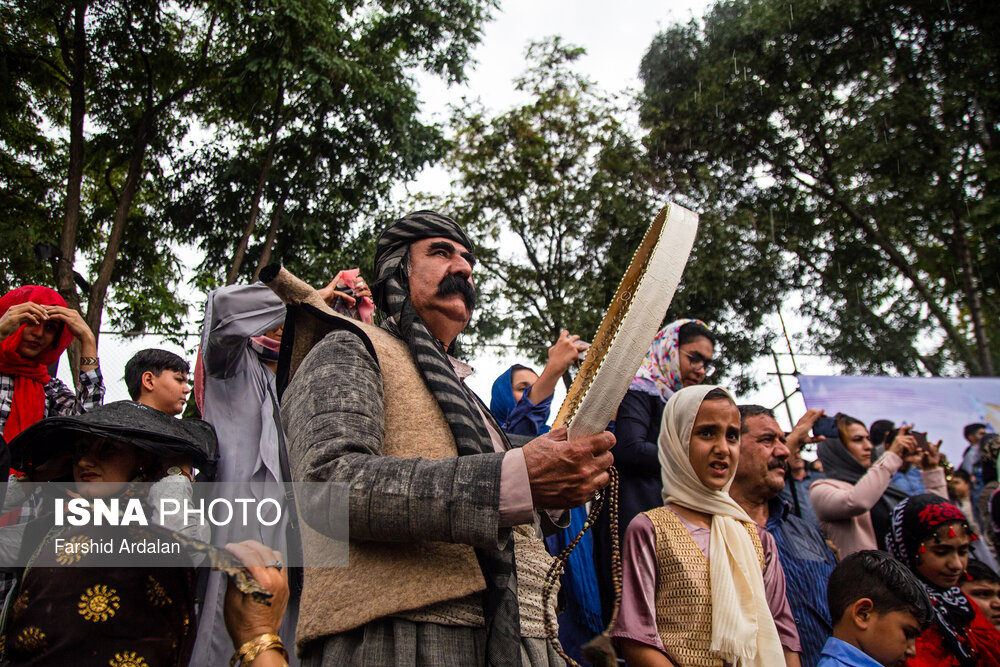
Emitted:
<point x="735" y="550"/>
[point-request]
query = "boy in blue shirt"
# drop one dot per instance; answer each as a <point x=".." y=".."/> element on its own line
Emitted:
<point x="878" y="608"/>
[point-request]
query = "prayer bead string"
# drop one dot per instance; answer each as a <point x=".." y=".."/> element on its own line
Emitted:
<point x="599" y="650"/>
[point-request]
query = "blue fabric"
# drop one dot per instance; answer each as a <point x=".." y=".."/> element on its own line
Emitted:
<point x="579" y="577"/>
<point x="581" y="620"/>
<point x="522" y="418"/>
<point x="502" y="397"/>
<point x="802" y="491"/>
<point x="807" y="563"/>
<point x="527" y="418"/>
<point x="910" y="481"/>
<point x="837" y="653"/>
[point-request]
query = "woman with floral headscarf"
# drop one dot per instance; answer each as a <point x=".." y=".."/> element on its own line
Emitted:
<point x="702" y="584"/>
<point x="35" y="328"/>
<point x="679" y="356"/>
<point x="932" y="536"/>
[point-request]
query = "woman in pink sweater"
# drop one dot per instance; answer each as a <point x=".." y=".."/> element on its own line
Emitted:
<point x="855" y="500"/>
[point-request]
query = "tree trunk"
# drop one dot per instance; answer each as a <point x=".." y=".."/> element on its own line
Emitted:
<point x="272" y="234"/>
<point x="71" y="221"/>
<point x="881" y="240"/>
<point x="973" y="298"/>
<point x="99" y="290"/>
<point x="241" y="247"/>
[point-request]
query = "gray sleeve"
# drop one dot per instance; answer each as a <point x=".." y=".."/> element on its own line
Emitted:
<point x="333" y="416"/>
<point x="232" y="315"/>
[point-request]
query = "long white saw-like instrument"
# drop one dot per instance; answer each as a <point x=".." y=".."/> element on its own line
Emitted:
<point x="633" y="319"/>
<point x="622" y="341"/>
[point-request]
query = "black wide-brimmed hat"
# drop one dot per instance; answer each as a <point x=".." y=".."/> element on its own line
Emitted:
<point x="123" y="421"/>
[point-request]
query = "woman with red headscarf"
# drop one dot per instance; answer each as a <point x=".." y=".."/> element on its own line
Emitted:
<point x="35" y="328"/>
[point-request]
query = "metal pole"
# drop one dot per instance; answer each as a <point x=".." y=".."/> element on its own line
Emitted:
<point x="781" y="382"/>
<point x="788" y="341"/>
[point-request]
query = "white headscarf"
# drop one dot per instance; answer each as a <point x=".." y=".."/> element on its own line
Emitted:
<point x="743" y="630"/>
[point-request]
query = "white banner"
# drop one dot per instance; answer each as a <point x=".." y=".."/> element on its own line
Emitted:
<point x="940" y="406"/>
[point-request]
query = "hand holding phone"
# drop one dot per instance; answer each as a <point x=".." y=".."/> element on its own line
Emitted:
<point x="826" y="427"/>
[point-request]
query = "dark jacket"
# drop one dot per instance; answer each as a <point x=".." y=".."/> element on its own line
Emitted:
<point x="637" y="428"/>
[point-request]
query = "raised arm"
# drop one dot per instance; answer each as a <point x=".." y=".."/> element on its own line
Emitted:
<point x="564" y="353"/>
<point x="832" y="503"/>
<point x="232" y="315"/>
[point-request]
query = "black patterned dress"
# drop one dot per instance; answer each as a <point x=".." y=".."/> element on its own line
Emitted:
<point x="100" y="616"/>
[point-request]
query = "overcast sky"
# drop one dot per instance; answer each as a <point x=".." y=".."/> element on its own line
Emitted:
<point x="615" y="35"/>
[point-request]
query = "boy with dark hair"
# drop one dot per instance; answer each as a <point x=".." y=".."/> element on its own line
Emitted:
<point x="159" y="379"/>
<point x="974" y="432"/>
<point x="983" y="587"/>
<point x="878" y="609"/>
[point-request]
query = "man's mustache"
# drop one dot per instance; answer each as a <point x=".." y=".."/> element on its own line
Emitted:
<point x="456" y="284"/>
<point x="777" y="463"/>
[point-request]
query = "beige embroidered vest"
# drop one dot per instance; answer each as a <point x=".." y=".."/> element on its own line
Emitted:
<point x="684" y="591"/>
<point x="385" y="579"/>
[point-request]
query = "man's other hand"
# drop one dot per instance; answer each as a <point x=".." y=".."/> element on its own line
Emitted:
<point x="567" y="473"/>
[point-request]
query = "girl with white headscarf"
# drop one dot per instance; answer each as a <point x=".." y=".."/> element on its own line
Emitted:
<point x="679" y="356"/>
<point x="702" y="582"/>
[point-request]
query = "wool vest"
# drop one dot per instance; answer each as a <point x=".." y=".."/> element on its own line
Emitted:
<point x="684" y="591"/>
<point x="387" y="578"/>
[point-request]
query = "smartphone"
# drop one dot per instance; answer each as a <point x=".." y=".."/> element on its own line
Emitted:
<point x="921" y="439"/>
<point x="827" y="427"/>
<point x="339" y="304"/>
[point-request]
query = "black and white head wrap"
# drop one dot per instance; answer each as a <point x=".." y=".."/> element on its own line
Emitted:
<point x="392" y="296"/>
<point x="913" y="521"/>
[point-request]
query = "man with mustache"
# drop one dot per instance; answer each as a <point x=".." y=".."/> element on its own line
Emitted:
<point x="440" y="502"/>
<point x="804" y="555"/>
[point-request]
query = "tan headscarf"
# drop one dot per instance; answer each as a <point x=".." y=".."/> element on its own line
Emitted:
<point x="743" y="630"/>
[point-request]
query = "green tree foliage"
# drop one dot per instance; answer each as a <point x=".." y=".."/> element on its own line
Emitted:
<point x="856" y="143"/>
<point x="29" y="197"/>
<point x="102" y="83"/>
<point x="314" y="121"/>
<point x="134" y="127"/>
<point x="558" y="196"/>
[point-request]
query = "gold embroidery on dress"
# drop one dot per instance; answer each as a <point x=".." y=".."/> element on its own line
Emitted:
<point x="128" y="659"/>
<point x="156" y="593"/>
<point x="70" y="553"/>
<point x="99" y="603"/>
<point x="31" y="639"/>
<point x="20" y="604"/>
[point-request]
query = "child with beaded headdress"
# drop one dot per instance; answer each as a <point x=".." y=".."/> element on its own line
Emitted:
<point x="932" y="536"/>
<point x="702" y="585"/>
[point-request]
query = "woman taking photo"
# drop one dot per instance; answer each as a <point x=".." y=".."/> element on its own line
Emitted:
<point x="932" y="537"/>
<point x="680" y="356"/>
<point x="855" y="499"/>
